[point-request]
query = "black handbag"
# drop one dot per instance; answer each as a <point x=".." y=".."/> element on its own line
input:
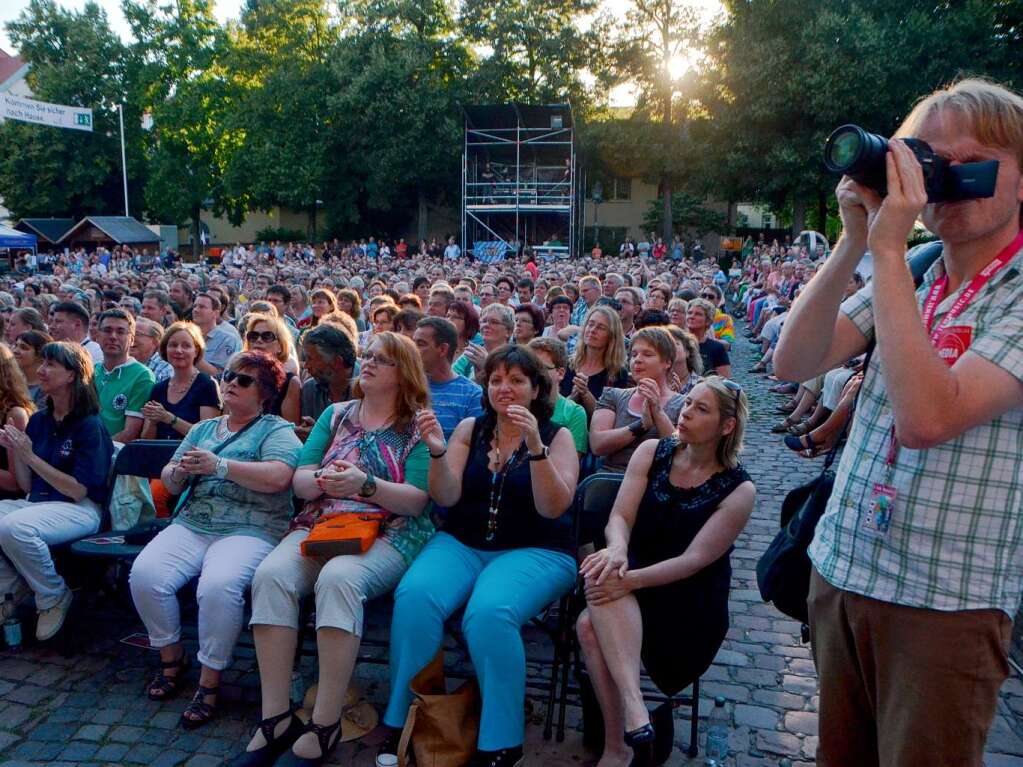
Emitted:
<point x="783" y="572"/>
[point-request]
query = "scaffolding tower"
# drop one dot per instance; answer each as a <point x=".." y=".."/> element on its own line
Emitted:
<point x="519" y="181"/>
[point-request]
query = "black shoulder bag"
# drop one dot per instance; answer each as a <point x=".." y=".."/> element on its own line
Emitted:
<point x="783" y="572"/>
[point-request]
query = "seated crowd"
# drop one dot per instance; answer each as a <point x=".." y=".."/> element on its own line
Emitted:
<point x="455" y="408"/>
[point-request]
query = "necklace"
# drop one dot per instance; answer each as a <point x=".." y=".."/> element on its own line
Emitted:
<point x="497" y="490"/>
<point x="178" y="388"/>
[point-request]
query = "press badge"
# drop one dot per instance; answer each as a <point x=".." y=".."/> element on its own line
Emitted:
<point x="877" y="518"/>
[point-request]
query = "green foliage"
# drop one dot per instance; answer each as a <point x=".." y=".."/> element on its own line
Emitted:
<point x="281" y="233"/>
<point x="48" y="171"/>
<point x="689" y="216"/>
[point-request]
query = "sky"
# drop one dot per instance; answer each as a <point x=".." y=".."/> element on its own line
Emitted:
<point x="229" y="9"/>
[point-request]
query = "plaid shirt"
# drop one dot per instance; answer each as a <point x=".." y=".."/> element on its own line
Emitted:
<point x="956" y="536"/>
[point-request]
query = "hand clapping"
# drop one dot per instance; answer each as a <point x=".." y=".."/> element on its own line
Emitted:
<point x="430" y="431"/>
<point x="342" y="479"/>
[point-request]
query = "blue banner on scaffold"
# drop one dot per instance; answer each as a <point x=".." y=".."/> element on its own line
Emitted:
<point x="490" y="252"/>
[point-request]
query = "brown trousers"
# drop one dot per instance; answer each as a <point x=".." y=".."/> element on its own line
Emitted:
<point x="904" y="686"/>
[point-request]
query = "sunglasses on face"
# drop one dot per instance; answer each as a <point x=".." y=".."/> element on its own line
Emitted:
<point x="709" y="296"/>
<point x="244" y="380"/>
<point x="266" y="336"/>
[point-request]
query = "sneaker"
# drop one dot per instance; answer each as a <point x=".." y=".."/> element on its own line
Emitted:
<point x="21" y="593"/>
<point x="51" y="620"/>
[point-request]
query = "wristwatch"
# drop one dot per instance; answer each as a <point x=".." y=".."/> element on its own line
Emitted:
<point x="221" y="471"/>
<point x="369" y="487"/>
<point x="543" y="455"/>
<point x="637" y="429"/>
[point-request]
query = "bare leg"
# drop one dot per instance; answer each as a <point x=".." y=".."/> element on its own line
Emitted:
<point x="275" y="652"/>
<point x="616" y="753"/>
<point x="619" y="631"/>
<point x="337" y="650"/>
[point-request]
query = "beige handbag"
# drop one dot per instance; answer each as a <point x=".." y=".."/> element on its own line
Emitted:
<point x="441" y="727"/>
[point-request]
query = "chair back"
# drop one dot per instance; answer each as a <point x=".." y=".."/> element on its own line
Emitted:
<point x="594" y="499"/>
<point x="144" y="458"/>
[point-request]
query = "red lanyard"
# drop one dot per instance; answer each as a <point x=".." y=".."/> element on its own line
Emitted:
<point x="935" y="296"/>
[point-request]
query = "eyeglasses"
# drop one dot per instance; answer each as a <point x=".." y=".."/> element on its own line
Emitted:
<point x="244" y="380"/>
<point x="709" y="296"/>
<point x="266" y="336"/>
<point x="733" y="387"/>
<point x="378" y="359"/>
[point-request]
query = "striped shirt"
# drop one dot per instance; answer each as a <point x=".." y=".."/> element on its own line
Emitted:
<point x="956" y="535"/>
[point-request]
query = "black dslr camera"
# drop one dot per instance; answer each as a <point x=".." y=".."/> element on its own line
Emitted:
<point x="853" y="152"/>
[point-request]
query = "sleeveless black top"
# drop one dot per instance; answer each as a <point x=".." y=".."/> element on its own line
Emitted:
<point x="278" y="400"/>
<point x="519" y="525"/>
<point x="685" y="622"/>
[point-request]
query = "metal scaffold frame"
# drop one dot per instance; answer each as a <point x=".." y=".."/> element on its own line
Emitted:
<point x="520" y="181"/>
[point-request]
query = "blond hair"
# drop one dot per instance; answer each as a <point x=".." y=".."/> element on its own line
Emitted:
<point x="688" y="341"/>
<point x="614" y="352"/>
<point x="993" y="113"/>
<point x="279" y="328"/>
<point x="732" y="403"/>
<point x="413" y="389"/>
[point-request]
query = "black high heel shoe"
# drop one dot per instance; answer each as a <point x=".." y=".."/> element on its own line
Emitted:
<point x="271" y="752"/>
<point x="324" y="733"/>
<point x="641" y="741"/>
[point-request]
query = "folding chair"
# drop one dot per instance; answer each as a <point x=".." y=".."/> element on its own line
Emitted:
<point x="592" y="505"/>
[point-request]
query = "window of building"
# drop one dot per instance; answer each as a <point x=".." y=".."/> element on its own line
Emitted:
<point x="615" y="188"/>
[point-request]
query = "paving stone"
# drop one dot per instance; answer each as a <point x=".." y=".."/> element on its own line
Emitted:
<point x="170" y="758"/>
<point x="771" y="697"/>
<point x="142" y="753"/>
<point x="165" y="720"/>
<point x="801" y="722"/>
<point x="756" y="716"/>
<point x="50" y="732"/>
<point x="36" y="750"/>
<point x="128" y="734"/>
<point x="8" y="739"/>
<point x="91" y="732"/>
<point x="79" y="751"/>
<point x="14" y="715"/>
<point x="112" y="752"/>
<point x="783" y="743"/>
<point x="108" y="716"/>
<point x="29" y="694"/>
<point x="202" y="760"/>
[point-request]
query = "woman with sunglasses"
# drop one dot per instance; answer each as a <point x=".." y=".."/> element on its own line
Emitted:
<point x="364" y="455"/>
<point x="267" y="333"/>
<point x="658" y="593"/>
<point x="189" y="395"/>
<point x="62" y="460"/>
<point x="233" y="474"/>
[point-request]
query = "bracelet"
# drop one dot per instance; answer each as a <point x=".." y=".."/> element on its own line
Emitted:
<point x="441" y="454"/>
<point x="174" y="420"/>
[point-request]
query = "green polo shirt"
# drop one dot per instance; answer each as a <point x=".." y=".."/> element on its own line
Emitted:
<point x="572" y="416"/>
<point x="122" y="392"/>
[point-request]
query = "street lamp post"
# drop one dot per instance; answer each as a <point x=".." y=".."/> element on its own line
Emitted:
<point x="598" y="197"/>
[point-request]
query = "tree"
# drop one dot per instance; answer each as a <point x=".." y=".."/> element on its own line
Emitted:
<point x="538" y="50"/>
<point x="397" y="126"/>
<point x="688" y="215"/>
<point x="46" y="171"/>
<point x="279" y="61"/>
<point x="187" y="89"/>
<point x="657" y="38"/>
<point x="785" y="73"/>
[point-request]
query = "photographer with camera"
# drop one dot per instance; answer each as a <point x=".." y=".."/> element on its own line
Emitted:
<point x="917" y="558"/>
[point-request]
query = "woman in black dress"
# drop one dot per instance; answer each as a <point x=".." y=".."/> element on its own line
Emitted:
<point x="659" y="592"/>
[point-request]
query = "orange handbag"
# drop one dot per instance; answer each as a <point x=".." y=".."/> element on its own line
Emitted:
<point x="350" y="532"/>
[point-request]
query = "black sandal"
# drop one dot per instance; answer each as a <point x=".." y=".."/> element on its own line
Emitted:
<point x="323" y="733"/>
<point x="641" y="741"/>
<point x="275" y="747"/>
<point x="199" y="712"/>
<point x="168" y="686"/>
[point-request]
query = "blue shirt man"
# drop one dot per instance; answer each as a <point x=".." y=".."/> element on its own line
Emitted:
<point x="453" y="397"/>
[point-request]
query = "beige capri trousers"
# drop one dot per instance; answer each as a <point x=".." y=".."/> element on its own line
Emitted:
<point x="342" y="584"/>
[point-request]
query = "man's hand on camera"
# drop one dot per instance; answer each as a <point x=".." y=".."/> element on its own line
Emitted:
<point x="907" y="197"/>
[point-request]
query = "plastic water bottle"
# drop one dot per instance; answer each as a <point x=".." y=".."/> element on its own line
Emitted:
<point x="12" y="627"/>
<point x="716" y="748"/>
<point x="297" y="689"/>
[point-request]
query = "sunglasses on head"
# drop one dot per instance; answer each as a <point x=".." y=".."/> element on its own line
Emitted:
<point x="244" y="380"/>
<point x="266" y="336"/>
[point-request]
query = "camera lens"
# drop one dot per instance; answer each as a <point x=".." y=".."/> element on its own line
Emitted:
<point x="844" y="148"/>
<point x="853" y="152"/>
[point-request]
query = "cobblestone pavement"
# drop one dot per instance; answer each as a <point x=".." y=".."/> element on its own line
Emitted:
<point x="91" y="709"/>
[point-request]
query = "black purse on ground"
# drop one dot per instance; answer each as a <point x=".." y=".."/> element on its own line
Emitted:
<point x="783" y="572"/>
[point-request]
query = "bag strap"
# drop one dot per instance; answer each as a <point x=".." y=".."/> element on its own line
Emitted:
<point x="405" y="742"/>
<point x="186" y="494"/>
<point x="919" y="261"/>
